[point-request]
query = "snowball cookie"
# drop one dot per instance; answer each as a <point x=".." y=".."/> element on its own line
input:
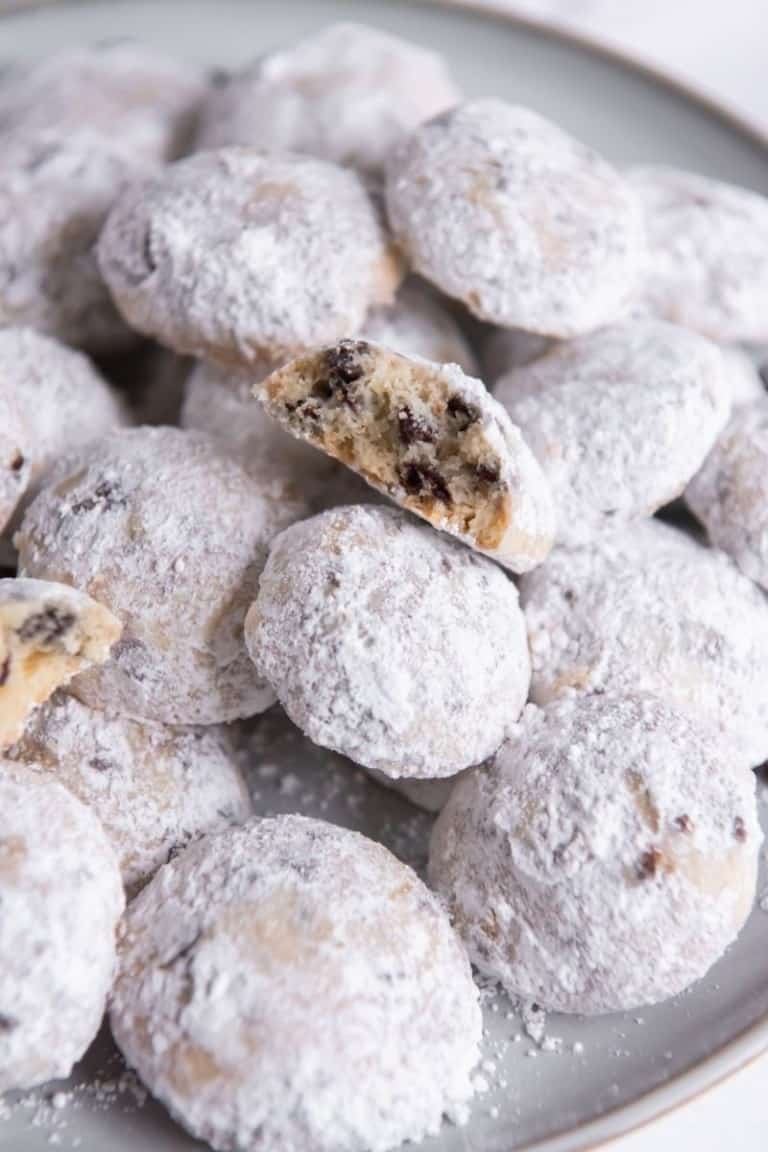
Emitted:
<point x="61" y="897"/>
<point x="48" y="633"/>
<point x="55" y="193"/>
<point x="426" y="435"/>
<point x="61" y="400"/>
<point x="154" y="788"/>
<point x="292" y="985"/>
<point x="619" y="420"/>
<point x="127" y="92"/>
<point x="171" y="535"/>
<point x="525" y="225"/>
<point x="605" y="861"/>
<point x="389" y="643"/>
<point x="417" y="324"/>
<point x="730" y="493"/>
<point x="707" y="256"/>
<point x="347" y="94"/>
<point x="236" y="255"/>
<point x="650" y="609"/>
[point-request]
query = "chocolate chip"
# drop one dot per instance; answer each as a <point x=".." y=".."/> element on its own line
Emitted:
<point x="740" y="829"/>
<point x="413" y="428"/>
<point x="106" y="496"/>
<point x="17" y="463"/>
<point x="47" y="626"/>
<point x="488" y="473"/>
<point x="146" y="251"/>
<point x="344" y="368"/>
<point x="418" y="478"/>
<point x="5" y="670"/>
<point x="7" y="1023"/>
<point x="463" y="413"/>
<point x="684" y="823"/>
<point x="649" y="863"/>
<point x="99" y="765"/>
<point x="569" y="596"/>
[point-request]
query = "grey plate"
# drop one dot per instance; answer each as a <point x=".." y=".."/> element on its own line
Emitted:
<point x="631" y="1067"/>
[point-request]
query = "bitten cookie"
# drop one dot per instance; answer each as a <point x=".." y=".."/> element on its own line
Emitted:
<point x="154" y="789"/>
<point x="650" y="609"/>
<point x="730" y="493"/>
<point x="505" y="211"/>
<point x="292" y="985"/>
<point x="426" y="435"/>
<point x="138" y="98"/>
<point x="347" y="94"/>
<point x="237" y="255"/>
<point x="707" y="258"/>
<point x="389" y="643"/>
<point x="61" y="898"/>
<point x="619" y="420"/>
<point x="607" y="858"/>
<point x="57" y="402"/>
<point x="172" y="536"/>
<point x="55" y="192"/>
<point x="48" y="633"/>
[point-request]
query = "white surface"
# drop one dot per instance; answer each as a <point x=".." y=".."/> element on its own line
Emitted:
<point x="719" y="48"/>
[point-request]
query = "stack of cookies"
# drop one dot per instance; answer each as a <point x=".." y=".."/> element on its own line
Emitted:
<point x="328" y="390"/>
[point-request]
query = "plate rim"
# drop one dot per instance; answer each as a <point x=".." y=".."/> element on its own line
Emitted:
<point x="751" y="1043"/>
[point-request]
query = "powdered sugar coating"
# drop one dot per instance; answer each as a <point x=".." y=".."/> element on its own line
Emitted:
<point x="15" y="467"/>
<point x="389" y="643"/>
<point x="239" y="255"/>
<point x="619" y="420"/>
<point x="417" y="324"/>
<point x="348" y="94"/>
<point x="729" y="495"/>
<point x="292" y="985"/>
<point x="61" y="898"/>
<point x="129" y="93"/>
<point x="62" y="401"/>
<point x="707" y="256"/>
<point x="606" y="860"/>
<point x="650" y="609"/>
<point x="55" y="192"/>
<point x="505" y="211"/>
<point x="154" y="788"/>
<point x="171" y="535"/>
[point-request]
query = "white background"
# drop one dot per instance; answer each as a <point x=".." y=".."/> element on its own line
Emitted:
<point x="719" y="47"/>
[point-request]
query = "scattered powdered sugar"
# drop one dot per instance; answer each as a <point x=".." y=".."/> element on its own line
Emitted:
<point x="619" y="420"/>
<point x="154" y="788"/>
<point x="347" y="93"/>
<point x="238" y="255"/>
<point x="707" y="254"/>
<point x="57" y="952"/>
<point x="605" y="860"/>
<point x="730" y="493"/>
<point x="650" y="609"/>
<point x="157" y="524"/>
<point x="354" y="680"/>
<point x="344" y="958"/>
<point x="504" y="210"/>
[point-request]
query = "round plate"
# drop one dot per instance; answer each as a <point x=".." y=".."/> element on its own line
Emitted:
<point x="584" y="1080"/>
